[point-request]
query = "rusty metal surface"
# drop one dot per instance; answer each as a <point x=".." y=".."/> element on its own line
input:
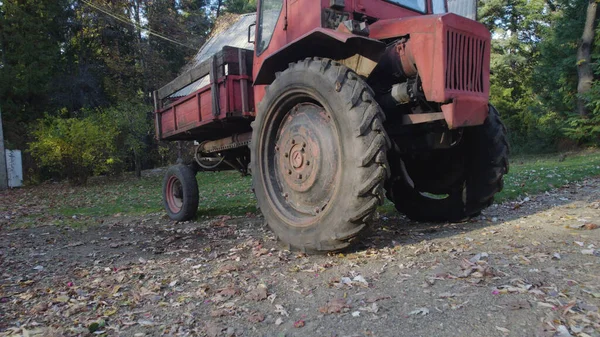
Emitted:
<point x="319" y="42"/>
<point x="465" y="111"/>
<point x="305" y="161"/>
<point x="301" y="17"/>
<point x="452" y="56"/>
<point x="223" y="144"/>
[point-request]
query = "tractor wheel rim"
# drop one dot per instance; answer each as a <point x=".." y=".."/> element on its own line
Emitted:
<point x="302" y="166"/>
<point x="174" y="194"/>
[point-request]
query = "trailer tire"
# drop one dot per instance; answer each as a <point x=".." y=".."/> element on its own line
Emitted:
<point x="485" y="152"/>
<point x="318" y="155"/>
<point x="180" y="193"/>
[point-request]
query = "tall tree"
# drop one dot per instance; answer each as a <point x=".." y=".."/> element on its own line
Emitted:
<point x="584" y="57"/>
<point x="32" y="43"/>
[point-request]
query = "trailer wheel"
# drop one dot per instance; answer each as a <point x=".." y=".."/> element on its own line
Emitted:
<point x="180" y="193"/>
<point x="318" y="154"/>
<point x="484" y="156"/>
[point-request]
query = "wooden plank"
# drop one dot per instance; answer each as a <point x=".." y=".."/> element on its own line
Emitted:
<point x="157" y="106"/>
<point x="3" y="166"/>
<point x="243" y="82"/>
<point x="228" y="55"/>
<point x="184" y="80"/>
<point x="190" y="76"/>
<point x="214" y="77"/>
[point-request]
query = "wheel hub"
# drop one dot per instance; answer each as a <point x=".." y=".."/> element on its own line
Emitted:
<point x="174" y="194"/>
<point x="306" y="159"/>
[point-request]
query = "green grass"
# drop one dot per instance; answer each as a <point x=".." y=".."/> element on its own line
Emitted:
<point x="228" y="193"/>
<point x="536" y="174"/>
<point x="220" y="193"/>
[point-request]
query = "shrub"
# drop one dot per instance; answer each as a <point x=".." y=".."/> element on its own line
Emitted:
<point x="131" y="121"/>
<point x="586" y="129"/>
<point x="74" y="148"/>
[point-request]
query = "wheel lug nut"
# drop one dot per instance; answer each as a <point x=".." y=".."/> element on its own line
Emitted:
<point x="317" y="210"/>
<point x="290" y="172"/>
<point x="299" y="176"/>
<point x="307" y="162"/>
<point x="303" y="144"/>
<point x="285" y="195"/>
<point x="286" y="154"/>
<point x="293" y="141"/>
<point x="276" y="148"/>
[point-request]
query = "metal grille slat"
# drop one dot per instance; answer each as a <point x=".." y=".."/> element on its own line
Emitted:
<point x="464" y="57"/>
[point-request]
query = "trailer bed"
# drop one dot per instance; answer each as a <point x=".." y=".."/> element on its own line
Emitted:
<point x="209" y="101"/>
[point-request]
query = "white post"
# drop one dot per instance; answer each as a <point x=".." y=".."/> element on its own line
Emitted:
<point x="3" y="168"/>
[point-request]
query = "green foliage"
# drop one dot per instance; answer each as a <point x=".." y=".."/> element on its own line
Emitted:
<point x="73" y="148"/>
<point x="517" y="27"/>
<point x="586" y="129"/>
<point x="240" y="6"/>
<point x="132" y="121"/>
<point x="534" y="71"/>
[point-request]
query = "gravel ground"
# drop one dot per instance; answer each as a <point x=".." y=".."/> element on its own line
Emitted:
<point x="524" y="268"/>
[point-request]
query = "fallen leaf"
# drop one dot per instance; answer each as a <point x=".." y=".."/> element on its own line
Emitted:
<point x="212" y="329"/>
<point x="590" y="226"/>
<point x="377" y="298"/>
<point x="281" y="310"/>
<point x="373" y="308"/>
<point x="258" y="294"/>
<point x="519" y="304"/>
<point x="562" y="331"/>
<point x="299" y="324"/>
<point x="421" y="311"/>
<point x="360" y="280"/>
<point x="334" y="306"/>
<point x="447" y="295"/>
<point x="505" y="330"/>
<point x="256" y="317"/>
<point x="222" y="312"/>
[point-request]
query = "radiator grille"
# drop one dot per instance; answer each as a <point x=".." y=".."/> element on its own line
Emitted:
<point x="464" y="57"/>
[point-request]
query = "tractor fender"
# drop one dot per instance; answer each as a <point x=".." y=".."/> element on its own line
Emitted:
<point x="319" y="42"/>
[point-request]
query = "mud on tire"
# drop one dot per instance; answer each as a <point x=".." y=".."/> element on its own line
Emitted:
<point x="318" y="154"/>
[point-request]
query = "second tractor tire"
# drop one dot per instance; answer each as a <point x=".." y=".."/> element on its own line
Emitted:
<point x="483" y="156"/>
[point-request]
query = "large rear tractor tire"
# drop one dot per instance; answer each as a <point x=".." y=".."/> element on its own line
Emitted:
<point x="180" y="193"/>
<point x="475" y="170"/>
<point x="318" y="154"/>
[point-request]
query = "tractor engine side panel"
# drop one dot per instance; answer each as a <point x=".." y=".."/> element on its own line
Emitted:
<point x="452" y="58"/>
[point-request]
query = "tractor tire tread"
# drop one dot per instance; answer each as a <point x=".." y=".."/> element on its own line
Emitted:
<point x="373" y="163"/>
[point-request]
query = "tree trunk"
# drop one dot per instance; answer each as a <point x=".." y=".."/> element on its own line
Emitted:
<point x="137" y="159"/>
<point x="219" y="3"/>
<point x="585" y="72"/>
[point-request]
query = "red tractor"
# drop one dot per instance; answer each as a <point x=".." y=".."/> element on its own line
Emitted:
<point x="340" y="104"/>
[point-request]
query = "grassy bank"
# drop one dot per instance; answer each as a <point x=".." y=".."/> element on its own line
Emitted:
<point x="228" y="193"/>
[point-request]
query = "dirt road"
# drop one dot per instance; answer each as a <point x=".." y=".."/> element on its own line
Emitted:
<point x="527" y="268"/>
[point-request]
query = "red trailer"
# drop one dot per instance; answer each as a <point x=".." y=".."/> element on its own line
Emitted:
<point x="335" y="105"/>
